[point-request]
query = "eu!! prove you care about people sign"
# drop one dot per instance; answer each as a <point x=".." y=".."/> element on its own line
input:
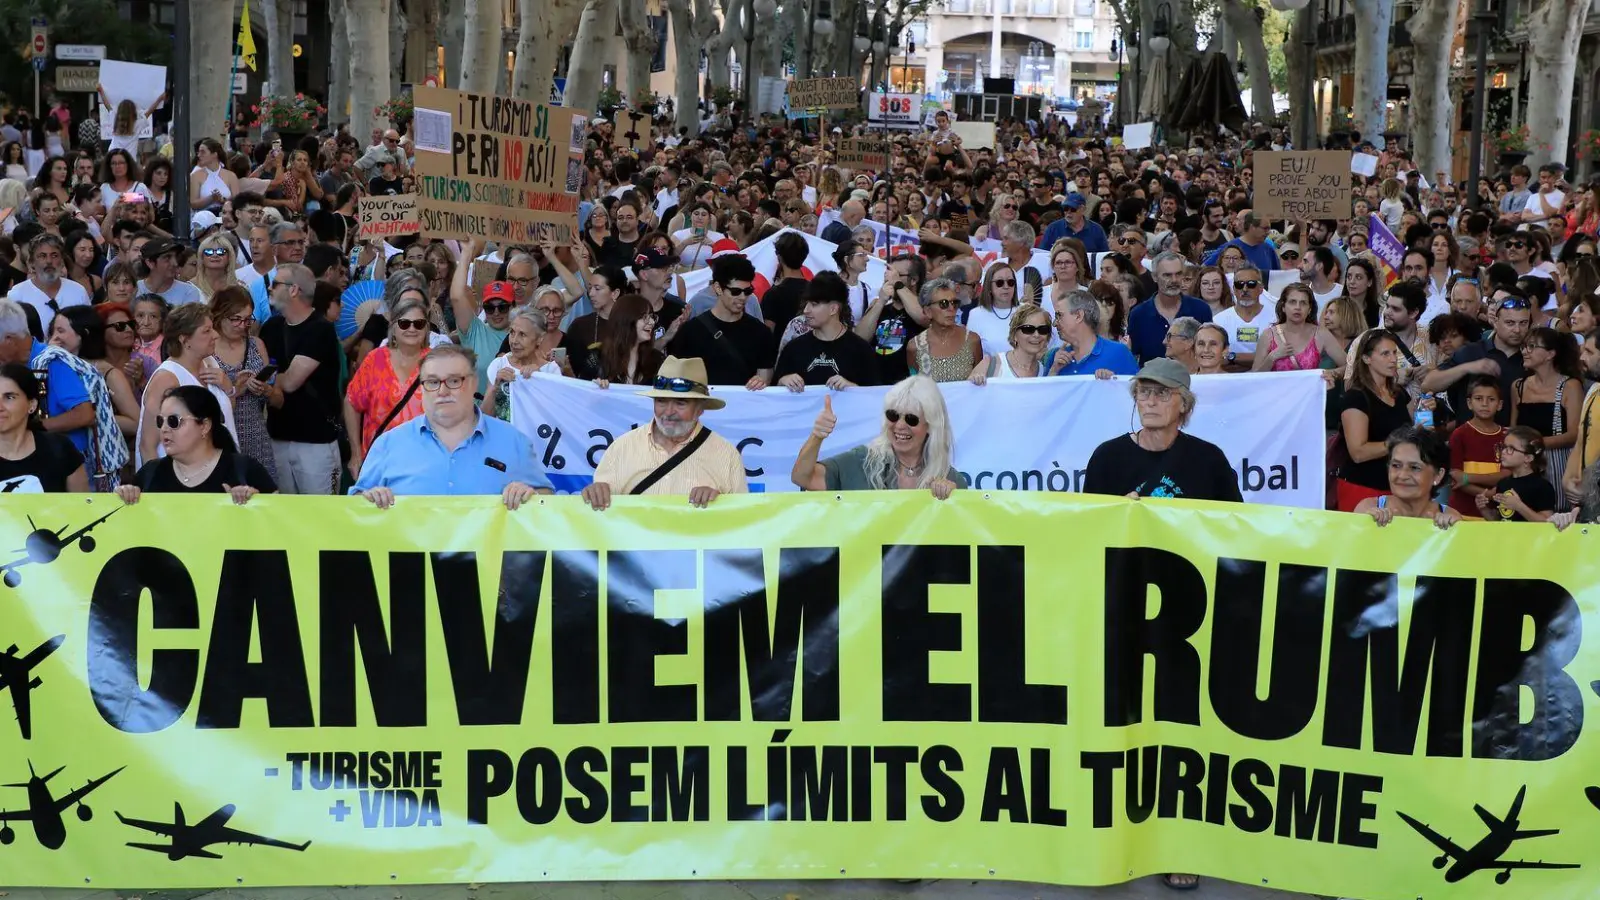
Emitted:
<point x="1303" y="184"/>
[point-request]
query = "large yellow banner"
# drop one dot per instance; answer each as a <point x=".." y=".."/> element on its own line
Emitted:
<point x="1003" y="686"/>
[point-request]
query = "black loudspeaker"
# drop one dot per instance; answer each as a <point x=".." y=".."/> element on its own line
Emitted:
<point x="1007" y="86"/>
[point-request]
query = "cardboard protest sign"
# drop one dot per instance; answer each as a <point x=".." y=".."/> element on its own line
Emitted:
<point x="387" y="216"/>
<point x="824" y="93"/>
<point x="863" y="153"/>
<point x="1303" y="184"/>
<point x="974" y="135"/>
<point x="495" y="168"/>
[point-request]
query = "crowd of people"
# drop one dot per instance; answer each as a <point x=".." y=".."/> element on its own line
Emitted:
<point x="1460" y="385"/>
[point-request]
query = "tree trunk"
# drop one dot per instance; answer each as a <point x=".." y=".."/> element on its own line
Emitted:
<point x="1246" y="28"/>
<point x="542" y="30"/>
<point x="422" y="40"/>
<point x="640" y="40"/>
<point x="1554" y="30"/>
<point x="452" y="34"/>
<point x="339" y="76"/>
<point x="481" y="61"/>
<point x="805" y="42"/>
<point x="686" y="78"/>
<point x="1373" y="18"/>
<point x="842" y="60"/>
<point x="583" y="73"/>
<point x="1432" y="26"/>
<point x="211" y="37"/>
<point x="399" y="23"/>
<point x="1302" y="113"/>
<point x="279" y="21"/>
<point x="718" y="72"/>
<point x="369" y="62"/>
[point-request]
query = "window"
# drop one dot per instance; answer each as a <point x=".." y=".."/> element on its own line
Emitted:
<point x="960" y="6"/>
<point x="1083" y="8"/>
<point x="1044" y="7"/>
<point x="1083" y="40"/>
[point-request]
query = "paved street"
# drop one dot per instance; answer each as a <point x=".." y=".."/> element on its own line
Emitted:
<point x="1143" y="889"/>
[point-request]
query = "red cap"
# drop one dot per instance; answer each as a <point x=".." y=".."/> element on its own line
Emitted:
<point x="723" y="248"/>
<point x="500" y="290"/>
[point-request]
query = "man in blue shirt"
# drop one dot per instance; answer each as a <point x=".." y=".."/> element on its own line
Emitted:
<point x="1075" y="225"/>
<point x="67" y="408"/>
<point x="453" y="449"/>
<point x="1084" y="351"/>
<point x="1252" y="241"/>
<point x="1148" y="322"/>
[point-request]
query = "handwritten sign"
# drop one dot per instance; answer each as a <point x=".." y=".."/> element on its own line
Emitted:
<point x="508" y="173"/>
<point x="861" y="154"/>
<point x="824" y="93"/>
<point x="389" y="216"/>
<point x="1303" y="184"/>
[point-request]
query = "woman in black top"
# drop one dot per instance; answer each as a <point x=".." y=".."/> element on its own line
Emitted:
<point x="1373" y="407"/>
<point x="33" y="461"/>
<point x="201" y="456"/>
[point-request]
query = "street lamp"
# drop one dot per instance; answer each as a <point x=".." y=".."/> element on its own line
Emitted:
<point x="1161" y="29"/>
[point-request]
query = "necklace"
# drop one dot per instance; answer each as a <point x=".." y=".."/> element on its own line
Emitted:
<point x="909" y="471"/>
<point x="193" y="476"/>
<point x="1010" y="311"/>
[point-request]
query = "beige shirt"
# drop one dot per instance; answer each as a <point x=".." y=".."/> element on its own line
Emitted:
<point x="630" y="458"/>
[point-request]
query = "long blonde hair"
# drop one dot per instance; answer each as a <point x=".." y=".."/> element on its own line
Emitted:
<point x="920" y="396"/>
<point x="230" y="278"/>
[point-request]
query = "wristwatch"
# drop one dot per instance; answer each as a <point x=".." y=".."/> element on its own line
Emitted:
<point x="1232" y="356"/>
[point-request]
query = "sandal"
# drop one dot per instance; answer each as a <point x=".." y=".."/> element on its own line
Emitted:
<point x="1180" y="882"/>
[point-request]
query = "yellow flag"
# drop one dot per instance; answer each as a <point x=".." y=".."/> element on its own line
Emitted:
<point x="247" y="41"/>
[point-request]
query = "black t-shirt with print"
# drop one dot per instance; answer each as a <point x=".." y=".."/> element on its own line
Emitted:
<point x="890" y="339"/>
<point x="1535" y="491"/>
<point x="1190" y="469"/>
<point x="733" y="351"/>
<point x="817" y="360"/>
<point x="45" y="470"/>
<point x="381" y="186"/>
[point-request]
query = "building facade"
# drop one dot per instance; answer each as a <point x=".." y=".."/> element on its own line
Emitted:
<point x="1059" y="49"/>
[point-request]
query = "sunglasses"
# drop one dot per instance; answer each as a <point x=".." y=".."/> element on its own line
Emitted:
<point x="1125" y="241"/>
<point x="680" y="385"/>
<point x="411" y="324"/>
<point x="1249" y="283"/>
<point x="496" y="307"/>
<point x="894" y="417"/>
<point x="1439" y="226"/>
<point x="171" y="422"/>
<point x="120" y="326"/>
<point x="1005" y="282"/>
<point x="746" y="291"/>
<point x="214" y="252"/>
<point x="1512" y="303"/>
<point x="1290" y="254"/>
<point x="1515" y="245"/>
<point x="947" y="304"/>
<point x="1034" y="329"/>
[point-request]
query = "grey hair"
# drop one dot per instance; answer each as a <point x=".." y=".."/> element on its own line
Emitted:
<point x="1185" y="396"/>
<point x="864" y="233"/>
<point x="534" y="317"/>
<point x="400" y="281"/>
<point x="1080" y="300"/>
<point x="1185" y="327"/>
<point x="401" y="308"/>
<point x="954" y="270"/>
<point x="936" y="284"/>
<point x="283" y="228"/>
<point x="1167" y="256"/>
<point x="1019" y="231"/>
<point x="917" y="394"/>
<point x="13" y="321"/>
<point x="517" y="256"/>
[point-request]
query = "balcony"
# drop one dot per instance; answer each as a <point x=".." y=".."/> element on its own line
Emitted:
<point x="1025" y="8"/>
<point x="1341" y="32"/>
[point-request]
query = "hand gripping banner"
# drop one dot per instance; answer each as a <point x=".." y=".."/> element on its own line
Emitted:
<point x="1012" y="686"/>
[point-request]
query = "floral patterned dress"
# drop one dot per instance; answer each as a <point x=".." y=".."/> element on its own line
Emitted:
<point x="375" y="390"/>
<point x="250" y="411"/>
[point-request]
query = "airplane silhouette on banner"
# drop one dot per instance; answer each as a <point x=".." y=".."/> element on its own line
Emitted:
<point x="1484" y="856"/>
<point x="44" y="546"/>
<point x="192" y="840"/>
<point x="14" y="671"/>
<point x="44" y="811"/>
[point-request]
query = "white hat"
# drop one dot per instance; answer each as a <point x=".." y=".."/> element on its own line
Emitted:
<point x="204" y="219"/>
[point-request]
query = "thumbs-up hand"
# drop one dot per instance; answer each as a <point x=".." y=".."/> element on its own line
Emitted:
<point x="825" y="420"/>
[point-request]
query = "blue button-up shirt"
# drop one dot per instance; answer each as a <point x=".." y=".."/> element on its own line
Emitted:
<point x="409" y="459"/>
<point x="1106" y="354"/>
<point x="1092" y="235"/>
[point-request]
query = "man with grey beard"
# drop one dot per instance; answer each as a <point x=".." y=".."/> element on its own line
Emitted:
<point x="675" y="455"/>
<point x="47" y="289"/>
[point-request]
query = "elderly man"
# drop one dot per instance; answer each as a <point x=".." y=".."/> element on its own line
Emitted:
<point x="1084" y="351"/>
<point x="288" y="247"/>
<point x="675" y="455"/>
<point x="47" y="288"/>
<point x="850" y="215"/>
<point x="1160" y="460"/>
<point x="453" y="449"/>
<point x="1148" y="322"/>
<point x="67" y="407"/>
<point x="1016" y="251"/>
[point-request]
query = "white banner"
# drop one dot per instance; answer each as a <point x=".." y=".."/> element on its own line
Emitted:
<point x="1032" y="434"/>
<point x="899" y="111"/>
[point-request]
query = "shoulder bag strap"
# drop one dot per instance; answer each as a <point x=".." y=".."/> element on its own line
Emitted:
<point x="665" y="469"/>
<point x="713" y="325"/>
<point x="399" y="406"/>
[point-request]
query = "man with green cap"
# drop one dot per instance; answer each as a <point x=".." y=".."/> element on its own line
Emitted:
<point x="1160" y="460"/>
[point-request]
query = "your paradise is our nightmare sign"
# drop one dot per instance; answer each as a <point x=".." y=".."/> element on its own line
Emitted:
<point x="497" y="168"/>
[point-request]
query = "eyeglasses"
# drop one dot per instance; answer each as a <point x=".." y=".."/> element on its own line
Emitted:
<point x="523" y="282"/>
<point x="1008" y="206"/>
<point x="1125" y="241"/>
<point x="299" y="243"/>
<point x="894" y="417"/>
<point x="171" y="423"/>
<point x="214" y="251"/>
<point x="1512" y="303"/>
<point x="120" y="326"/>
<point x="680" y="385"/>
<point x="1249" y="283"/>
<point x="1034" y="329"/>
<point x="1515" y="245"/>
<point x="738" y="291"/>
<point x="240" y="320"/>
<point x="1289" y="254"/>
<point x="947" y="304"/>
<point x="1512" y="448"/>
<point x="453" y="382"/>
<point x="411" y="324"/>
<point x="1152" y="392"/>
<point x="496" y="307"/>
<point x="1005" y="282"/>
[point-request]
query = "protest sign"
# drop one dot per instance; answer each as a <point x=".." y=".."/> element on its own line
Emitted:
<point x="387" y="216"/>
<point x="863" y="153"/>
<point x="1300" y="185"/>
<point x="824" y="93"/>
<point x="495" y="168"/>
<point x="897" y="111"/>
<point x="1138" y="136"/>
<point x="974" y="135"/>
<point x="137" y="83"/>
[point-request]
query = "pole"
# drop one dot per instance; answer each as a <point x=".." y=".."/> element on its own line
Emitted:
<point x="747" y="67"/>
<point x="811" y="36"/>
<point x="182" y="110"/>
<point x="1480" y="96"/>
<point x="1307" y="139"/>
<point x="233" y="69"/>
<point x="36" y="91"/>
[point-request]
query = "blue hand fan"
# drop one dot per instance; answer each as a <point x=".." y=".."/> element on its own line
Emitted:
<point x="359" y="301"/>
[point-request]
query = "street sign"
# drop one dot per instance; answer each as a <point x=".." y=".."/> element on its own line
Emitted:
<point x="77" y="79"/>
<point x="38" y="63"/>
<point x="40" y="42"/>
<point x="80" y="52"/>
<point x="239" y="82"/>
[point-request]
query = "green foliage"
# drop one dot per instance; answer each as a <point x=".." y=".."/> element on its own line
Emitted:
<point x="1274" y="28"/>
<point x="72" y="22"/>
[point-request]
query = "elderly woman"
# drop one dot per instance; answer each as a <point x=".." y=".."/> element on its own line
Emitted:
<point x="1160" y="459"/>
<point x="1029" y="338"/>
<point x="1417" y="463"/>
<point x="913" y="451"/>
<point x="1179" y="342"/>
<point x="1211" y="349"/>
<point x="946" y="351"/>
<point x="383" y="392"/>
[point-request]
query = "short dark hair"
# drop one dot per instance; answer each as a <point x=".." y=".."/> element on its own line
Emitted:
<point x="1411" y="296"/>
<point x="792" y="249"/>
<point x="322" y="257"/>
<point x="828" y="287"/>
<point x="1483" y="381"/>
<point x="1433" y="451"/>
<point x="731" y="268"/>
<point x="612" y="275"/>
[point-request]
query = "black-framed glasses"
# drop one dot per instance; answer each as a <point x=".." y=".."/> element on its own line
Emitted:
<point x="1005" y="282"/>
<point x="1439" y="226"/>
<point x="1249" y="283"/>
<point x="894" y="416"/>
<point x="1033" y="329"/>
<point x="172" y="423"/>
<point x="680" y="385"/>
<point x="1125" y="241"/>
<point x="743" y="291"/>
<point x="411" y="324"/>
<point x="1515" y="245"/>
<point x="120" y="326"/>
<point x="453" y="382"/>
<point x="498" y="306"/>
<point x="1289" y="254"/>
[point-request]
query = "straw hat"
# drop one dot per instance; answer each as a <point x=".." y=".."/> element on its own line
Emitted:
<point x="683" y="379"/>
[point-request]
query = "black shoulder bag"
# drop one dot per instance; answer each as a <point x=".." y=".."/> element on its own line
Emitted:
<point x="677" y="459"/>
<point x="398" y="406"/>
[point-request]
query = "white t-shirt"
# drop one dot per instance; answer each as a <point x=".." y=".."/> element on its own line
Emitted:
<point x="695" y="255"/>
<point x="1242" y="335"/>
<point x="177" y="294"/>
<point x="109" y="194"/>
<point x="994" y="328"/>
<point x="247" y="275"/>
<point x="71" y="293"/>
<point x="1322" y="299"/>
<point x="1534" y="206"/>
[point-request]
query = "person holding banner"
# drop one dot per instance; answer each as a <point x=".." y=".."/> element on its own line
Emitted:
<point x="1029" y="335"/>
<point x="1373" y="406"/>
<point x="199" y="455"/>
<point x="829" y="353"/>
<point x="912" y="452"/>
<point x="1416" y="463"/>
<point x="675" y="454"/>
<point x="1160" y="459"/>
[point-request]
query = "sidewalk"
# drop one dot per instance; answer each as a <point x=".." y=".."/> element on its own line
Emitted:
<point x="1143" y="889"/>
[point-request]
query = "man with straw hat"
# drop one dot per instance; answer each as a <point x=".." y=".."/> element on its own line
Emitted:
<point x="675" y="455"/>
